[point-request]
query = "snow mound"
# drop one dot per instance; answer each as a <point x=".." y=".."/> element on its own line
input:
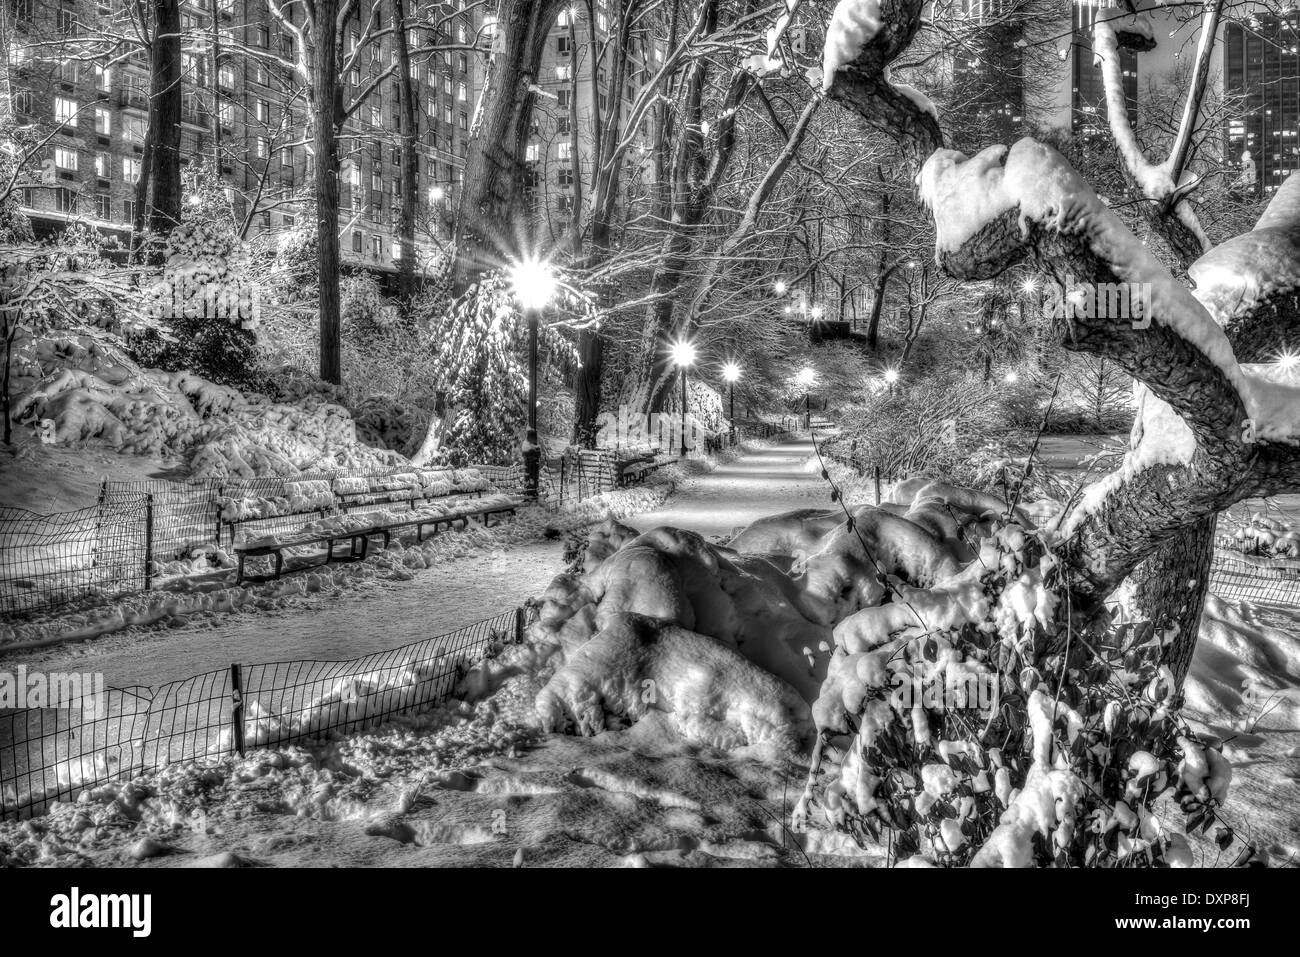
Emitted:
<point x="74" y="389"/>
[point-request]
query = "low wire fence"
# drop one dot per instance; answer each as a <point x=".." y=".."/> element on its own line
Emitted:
<point x="86" y="556"/>
<point x="66" y="561"/>
<point x="50" y="754"/>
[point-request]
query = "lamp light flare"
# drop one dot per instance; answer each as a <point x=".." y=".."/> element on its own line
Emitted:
<point x="806" y="376"/>
<point x="1012" y="376"/>
<point x="1288" y="361"/>
<point x="682" y="352"/>
<point x="730" y="372"/>
<point x="779" y="287"/>
<point x="1029" y="285"/>
<point x="891" y="376"/>
<point x="533" y="283"/>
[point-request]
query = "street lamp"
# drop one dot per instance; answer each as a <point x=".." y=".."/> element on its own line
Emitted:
<point x="1287" y="361"/>
<point x="683" y="355"/>
<point x="730" y="373"/>
<point x="779" y="287"/>
<point x="533" y="284"/>
<point x="891" y="376"/>
<point x="806" y="377"/>
<point x="1013" y="377"/>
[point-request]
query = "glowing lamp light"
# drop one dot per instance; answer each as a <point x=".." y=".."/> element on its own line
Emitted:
<point x="806" y="377"/>
<point x="533" y="283"/>
<point x="891" y="376"/>
<point x="817" y="312"/>
<point x="1012" y="376"/>
<point x="437" y="194"/>
<point x="779" y="287"/>
<point x="1029" y="285"/>
<point x="1288" y="361"/>
<point x="731" y="372"/>
<point x="682" y="352"/>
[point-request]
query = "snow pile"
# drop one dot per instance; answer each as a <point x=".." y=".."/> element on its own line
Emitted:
<point x="1262" y="535"/>
<point x="330" y="780"/>
<point x="299" y="496"/>
<point x="76" y="389"/>
<point x="853" y="24"/>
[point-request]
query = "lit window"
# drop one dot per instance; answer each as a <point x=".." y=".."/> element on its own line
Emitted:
<point x="103" y="121"/>
<point x="65" y="159"/>
<point x="65" y="110"/>
<point x="131" y="169"/>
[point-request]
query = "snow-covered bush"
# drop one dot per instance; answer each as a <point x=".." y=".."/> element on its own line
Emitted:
<point x="1268" y="536"/>
<point x="1062" y="760"/>
<point x="481" y="361"/>
<point x="929" y="428"/>
<point x="80" y="388"/>
<point x="208" y="308"/>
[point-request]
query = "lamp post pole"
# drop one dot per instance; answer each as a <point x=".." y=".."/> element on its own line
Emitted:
<point x="532" y="448"/>
<point x="683" y="410"/>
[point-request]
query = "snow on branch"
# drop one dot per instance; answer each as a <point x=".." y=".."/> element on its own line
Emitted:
<point x="862" y="39"/>
<point x="1115" y="29"/>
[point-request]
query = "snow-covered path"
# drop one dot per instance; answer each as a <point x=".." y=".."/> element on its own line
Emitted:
<point x="732" y="496"/>
<point x="382" y="614"/>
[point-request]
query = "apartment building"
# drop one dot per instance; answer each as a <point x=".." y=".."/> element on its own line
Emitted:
<point x="572" y="53"/>
<point x="77" y="70"/>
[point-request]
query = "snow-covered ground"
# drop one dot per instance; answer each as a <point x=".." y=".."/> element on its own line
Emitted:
<point x="491" y="572"/>
<point x="481" y="785"/>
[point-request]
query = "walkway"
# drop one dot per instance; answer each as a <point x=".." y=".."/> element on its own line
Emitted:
<point x="379" y="615"/>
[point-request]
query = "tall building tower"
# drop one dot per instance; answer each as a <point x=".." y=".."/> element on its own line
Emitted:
<point x="1261" y="75"/>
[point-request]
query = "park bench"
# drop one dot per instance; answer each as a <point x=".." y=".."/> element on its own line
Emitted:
<point x="358" y="534"/>
<point x="321" y="498"/>
<point x="635" y="468"/>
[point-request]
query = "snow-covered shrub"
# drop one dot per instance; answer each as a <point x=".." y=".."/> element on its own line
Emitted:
<point x="208" y="308"/>
<point x="92" y="391"/>
<point x="927" y="429"/>
<point x="1060" y="761"/>
<point x="1268" y="536"/>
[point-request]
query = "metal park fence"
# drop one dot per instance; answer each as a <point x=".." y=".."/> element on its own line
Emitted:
<point x="90" y="555"/>
<point x="51" y="754"/>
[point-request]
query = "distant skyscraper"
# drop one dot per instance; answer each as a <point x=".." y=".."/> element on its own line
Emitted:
<point x="1261" y="66"/>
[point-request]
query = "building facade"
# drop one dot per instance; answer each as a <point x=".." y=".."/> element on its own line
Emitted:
<point x="559" y="155"/>
<point x="77" y="72"/>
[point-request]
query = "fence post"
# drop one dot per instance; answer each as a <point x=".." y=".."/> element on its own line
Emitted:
<point x="519" y="624"/>
<point x="148" y="541"/>
<point x="217" y="509"/>
<point x="237" y="712"/>
<point x="877" y="471"/>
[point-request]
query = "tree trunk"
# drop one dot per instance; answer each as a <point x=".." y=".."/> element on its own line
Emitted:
<point x="1168" y="589"/>
<point x="409" y="165"/>
<point x="166" y="112"/>
<point x="882" y="273"/>
<point x="327" y="109"/>
<point x="591" y="347"/>
<point x="488" y="211"/>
